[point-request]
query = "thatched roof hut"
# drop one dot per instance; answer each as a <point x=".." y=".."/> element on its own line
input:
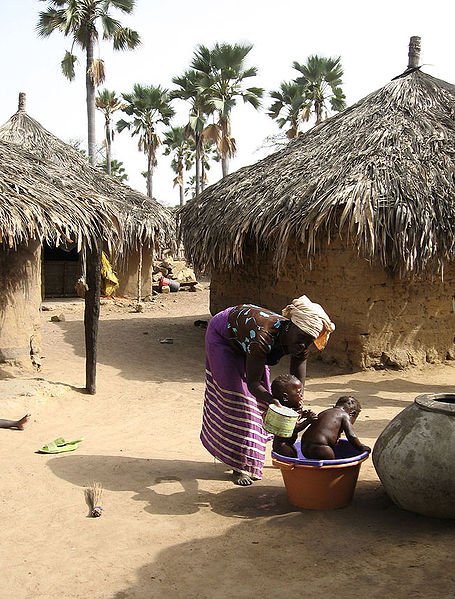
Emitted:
<point x="145" y="221"/>
<point x="40" y="202"/>
<point x="148" y="227"/>
<point x="358" y="213"/>
<point x="53" y="196"/>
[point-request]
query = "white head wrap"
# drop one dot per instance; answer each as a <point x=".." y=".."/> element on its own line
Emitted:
<point x="311" y="319"/>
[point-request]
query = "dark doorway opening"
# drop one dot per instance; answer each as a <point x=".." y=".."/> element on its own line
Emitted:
<point x="61" y="268"/>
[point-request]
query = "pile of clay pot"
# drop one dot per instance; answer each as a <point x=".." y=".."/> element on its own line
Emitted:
<point x="171" y="275"/>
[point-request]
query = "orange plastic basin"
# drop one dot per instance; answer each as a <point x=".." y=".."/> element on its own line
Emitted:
<point x="324" y="487"/>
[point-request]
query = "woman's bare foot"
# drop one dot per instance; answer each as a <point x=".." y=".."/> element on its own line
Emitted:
<point x="20" y="424"/>
<point x="239" y="478"/>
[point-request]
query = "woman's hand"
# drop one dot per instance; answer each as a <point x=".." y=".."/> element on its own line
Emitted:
<point x="276" y="402"/>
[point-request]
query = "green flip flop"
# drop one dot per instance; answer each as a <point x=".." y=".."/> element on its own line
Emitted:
<point x="59" y="445"/>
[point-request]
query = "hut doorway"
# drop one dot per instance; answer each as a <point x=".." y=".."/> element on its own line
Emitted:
<point x="61" y="270"/>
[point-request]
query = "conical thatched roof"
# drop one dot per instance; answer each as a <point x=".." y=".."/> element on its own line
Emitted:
<point x="40" y="201"/>
<point x="381" y="173"/>
<point x="144" y="220"/>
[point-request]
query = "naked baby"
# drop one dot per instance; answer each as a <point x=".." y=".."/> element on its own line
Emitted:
<point x="287" y="389"/>
<point x="320" y="438"/>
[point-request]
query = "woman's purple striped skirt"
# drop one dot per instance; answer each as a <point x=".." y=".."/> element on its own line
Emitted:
<point x="232" y="429"/>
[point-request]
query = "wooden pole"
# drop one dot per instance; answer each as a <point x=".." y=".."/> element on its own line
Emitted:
<point x="92" y="313"/>
<point x="139" y="276"/>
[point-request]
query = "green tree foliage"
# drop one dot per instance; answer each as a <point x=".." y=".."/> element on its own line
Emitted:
<point x="190" y="88"/>
<point x="288" y="106"/>
<point x="322" y="80"/>
<point x="117" y="170"/>
<point x="223" y="81"/>
<point x="147" y="107"/>
<point x="316" y="91"/>
<point x="181" y="147"/>
<point x="107" y="102"/>
<point x="83" y="21"/>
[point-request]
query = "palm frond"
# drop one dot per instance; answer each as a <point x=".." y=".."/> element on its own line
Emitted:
<point x="49" y="21"/>
<point x="96" y="71"/>
<point x="67" y="65"/>
<point x="126" y="6"/>
<point x="109" y="25"/>
<point x="125" y="38"/>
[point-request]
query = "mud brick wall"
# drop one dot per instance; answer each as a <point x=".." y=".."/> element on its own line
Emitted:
<point x="20" y="301"/>
<point x="127" y="271"/>
<point x="381" y="320"/>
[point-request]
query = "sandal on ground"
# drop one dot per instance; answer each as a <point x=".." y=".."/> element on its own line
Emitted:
<point x="59" y="445"/>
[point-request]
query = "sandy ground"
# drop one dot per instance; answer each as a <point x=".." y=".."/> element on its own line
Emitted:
<point x="173" y="526"/>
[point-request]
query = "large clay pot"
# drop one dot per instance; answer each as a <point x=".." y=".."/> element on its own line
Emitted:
<point x="414" y="456"/>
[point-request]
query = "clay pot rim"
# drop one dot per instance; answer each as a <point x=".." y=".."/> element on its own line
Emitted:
<point x="434" y="402"/>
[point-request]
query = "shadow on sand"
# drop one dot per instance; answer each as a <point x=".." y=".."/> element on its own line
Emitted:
<point x="370" y="546"/>
<point x="150" y="479"/>
<point x="369" y="549"/>
<point x="145" y="358"/>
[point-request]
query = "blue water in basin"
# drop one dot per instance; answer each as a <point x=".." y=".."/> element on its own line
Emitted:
<point x="345" y="453"/>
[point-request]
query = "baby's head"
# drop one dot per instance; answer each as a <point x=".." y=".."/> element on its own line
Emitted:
<point x="288" y="390"/>
<point x="350" y="405"/>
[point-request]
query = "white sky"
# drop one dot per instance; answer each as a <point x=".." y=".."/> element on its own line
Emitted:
<point x="371" y="38"/>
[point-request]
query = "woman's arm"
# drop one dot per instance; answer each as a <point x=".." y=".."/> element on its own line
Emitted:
<point x="254" y="374"/>
<point x="298" y="367"/>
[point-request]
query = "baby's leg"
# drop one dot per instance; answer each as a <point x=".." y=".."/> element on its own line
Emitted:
<point x="284" y="447"/>
<point x="314" y="451"/>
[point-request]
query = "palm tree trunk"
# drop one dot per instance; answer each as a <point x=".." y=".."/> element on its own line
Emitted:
<point x="202" y="173"/>
<point x="198" y="174"/>
<point x="318" y="111"/>
<point x="149" y="175"/>
<point x="225" y="134"/>
<point x="225" y="165"/>
<point x="90" y="87"/>
<point x="108" y="146"/>
<point x="181" y="179"/>
<point x="197" y="139"/>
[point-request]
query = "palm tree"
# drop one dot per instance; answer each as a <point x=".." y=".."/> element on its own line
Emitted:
<point x="288" y="106"/>
<point x="208" y="153"/>
<point x="81" y="20"/>
<point x="190" y="189"/>
<point x="322" y="79"/>
<point x="78" y="144"/>
<point x="147" y="106"/>
<point x="223" y="81"/>
<point x="177" y="143"/>
<point x="107" y="102"/>
<point x="117" y="170"/>
<point x="190" y="89"/>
